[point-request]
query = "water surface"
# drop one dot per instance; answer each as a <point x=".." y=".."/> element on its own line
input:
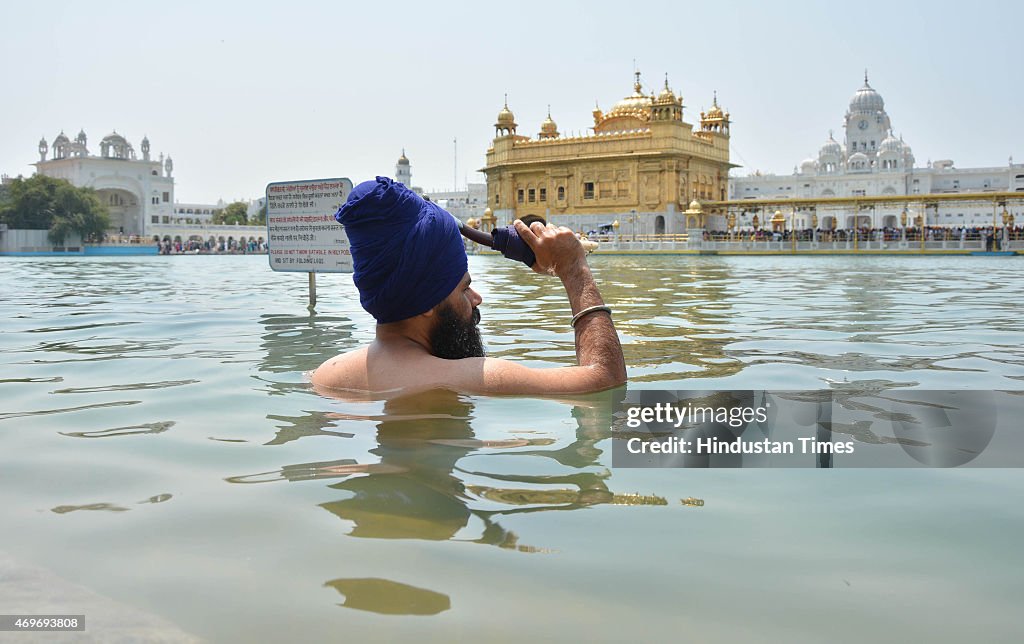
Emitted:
<point x="160" y="446"/>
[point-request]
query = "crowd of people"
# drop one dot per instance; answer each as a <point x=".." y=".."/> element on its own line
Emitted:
<point x="241" y="246"/>
<point x="931" y="233"/>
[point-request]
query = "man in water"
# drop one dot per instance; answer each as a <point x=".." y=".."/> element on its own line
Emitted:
<point x="412" y="275"/>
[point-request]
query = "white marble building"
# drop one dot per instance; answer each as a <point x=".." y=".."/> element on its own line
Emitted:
<point x="194" y="213"/>
<point x="872" y="160"/>
<point x="137" y="192"/>
<point x="464" y="204"/>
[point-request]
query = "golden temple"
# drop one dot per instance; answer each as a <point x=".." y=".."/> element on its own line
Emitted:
<point x="640" y="161"/>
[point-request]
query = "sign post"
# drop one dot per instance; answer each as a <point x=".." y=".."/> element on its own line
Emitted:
<point x="301" y="231"/>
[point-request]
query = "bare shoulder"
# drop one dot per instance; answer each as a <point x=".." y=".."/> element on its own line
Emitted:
<point x="343" y="371"/>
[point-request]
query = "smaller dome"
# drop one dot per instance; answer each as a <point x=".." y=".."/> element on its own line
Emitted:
<point x="831" y="148"/>
<point x="890" y="145"/>
<point x="488" y="214"/>
<point x="505" y="116"/>
<point x="808" y="166"/>
<point x="715" y="112"/>
<point x="695" y="205"/>
<point x="858" y="156"/>
<point x="114" y="137"/>
<point x="666" y="95"/>
<point x="549" y="129"/>
<point x="61" y="138"/>
<point x="402" y="160"/>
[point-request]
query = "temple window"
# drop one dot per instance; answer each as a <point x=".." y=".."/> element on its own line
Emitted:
<point x="532" y="195"/>
<point x="561" y="193"/>
<point x="543" y="194"/>
<point x="519" y="196"/>
<point x="588" y="189"/>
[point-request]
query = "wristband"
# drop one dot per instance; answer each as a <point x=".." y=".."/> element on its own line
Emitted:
<point x="587" y="311"/>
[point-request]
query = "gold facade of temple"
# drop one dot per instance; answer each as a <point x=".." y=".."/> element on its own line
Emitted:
<point x="640" y="158"/>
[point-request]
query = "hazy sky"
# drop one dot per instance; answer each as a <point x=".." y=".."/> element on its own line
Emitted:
<point x="241" y="94"/>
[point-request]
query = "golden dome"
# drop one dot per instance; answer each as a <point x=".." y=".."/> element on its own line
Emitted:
<point x="488" y="215"/>
<point x="636" y="105"/>
<point x="548" y="129"/>
<point x="778" y="217"/>
<point x="695" y="205"/>
<point x="472" y="223"/>
<point x="666" y="96"/>
<point x="715" y="112"/>
<point x="505" y="116"/>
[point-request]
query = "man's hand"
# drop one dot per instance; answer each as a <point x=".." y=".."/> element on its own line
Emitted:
<point x="558" y="250"/>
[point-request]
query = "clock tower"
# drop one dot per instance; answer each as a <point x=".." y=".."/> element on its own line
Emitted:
<point x="867" y="124"/>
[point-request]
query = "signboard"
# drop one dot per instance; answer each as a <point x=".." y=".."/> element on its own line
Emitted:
<point x="301" y="231"/>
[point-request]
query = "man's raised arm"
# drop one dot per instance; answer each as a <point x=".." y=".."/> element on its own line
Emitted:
<point x="598" y="352"/>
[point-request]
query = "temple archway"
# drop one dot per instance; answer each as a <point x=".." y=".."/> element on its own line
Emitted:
<point x="124" y="208"/>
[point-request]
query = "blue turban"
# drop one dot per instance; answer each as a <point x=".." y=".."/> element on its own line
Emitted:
<point x="407" y="253"/>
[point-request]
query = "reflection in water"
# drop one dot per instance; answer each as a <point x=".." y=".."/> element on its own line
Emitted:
<point x="109" y="507"/>
<point x="314" y="423"/>
<point x="389" y="597"/>
<point x="424" y="437"/>
<point x="159" y="498"/>
<point x="418" y="488"/>
<point x="302" y="342"/>
<point x="64" y="410"/>
<point x="128" y="387"/>
<point x="144" y="428"/>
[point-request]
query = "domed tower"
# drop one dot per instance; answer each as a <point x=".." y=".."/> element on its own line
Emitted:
<point x="890" y="153"/>
<point x="168" y="165"/>
<point x="403" y="171"/>
<point x="43" y="149"/>
<point x="506" y="123"/>
<point x="715" y="120"/>
<point x="866" y="121"/>
<point x="548" y="129"/>
<point x="79" y="147"/>
<point x="631" y="113"/>
<point x="115" y="146"/>
<point x="145" y="148"/>
<point x="667" y="107"/>
<point x="61" y="146"/>
<point x="830" y="156"/>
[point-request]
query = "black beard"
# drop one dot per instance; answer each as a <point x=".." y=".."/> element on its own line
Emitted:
<point x="454" y="338"/>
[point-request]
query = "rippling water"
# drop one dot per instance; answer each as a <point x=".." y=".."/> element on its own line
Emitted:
<point x="159" y="445"/>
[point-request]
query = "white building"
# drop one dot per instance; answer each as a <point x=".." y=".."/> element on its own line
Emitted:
<point x="464" y="204"/>
<point x="137" y="192"/>
<point x="194" y="213"/>
<point x="874" y="161"/>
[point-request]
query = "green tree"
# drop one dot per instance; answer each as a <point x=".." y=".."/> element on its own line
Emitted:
<point x="45" y="203"/>
<point x="232" y="214"/>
